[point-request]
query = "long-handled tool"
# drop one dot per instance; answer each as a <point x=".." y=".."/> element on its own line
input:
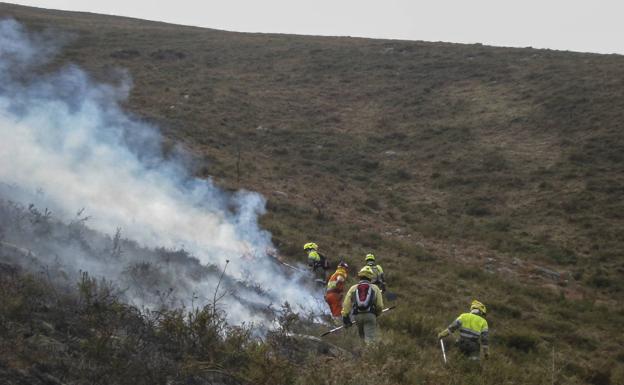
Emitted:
<point x="274" y="256"/>
<point x="443" y="351"/>
<point x="353" y="323"/>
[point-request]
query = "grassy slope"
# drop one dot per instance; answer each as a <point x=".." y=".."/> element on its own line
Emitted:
<point x="464" y="167"/>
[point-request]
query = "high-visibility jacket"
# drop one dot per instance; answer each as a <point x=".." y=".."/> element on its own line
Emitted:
<point x="379" y="274"/>
<point x="349" y="301"/>
<point x="316" y="260"/>
<point x="336" y="282"/>
<point x="314" y="256"/>
<point x="472" y="327"/>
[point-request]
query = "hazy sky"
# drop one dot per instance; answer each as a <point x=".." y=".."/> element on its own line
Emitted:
<point x="590" y="25"/>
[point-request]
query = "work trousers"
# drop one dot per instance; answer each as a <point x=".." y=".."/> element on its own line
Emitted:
<point x="367" y="326"/>
<point x="470" y="348"/>
<point x="334" y="300"/>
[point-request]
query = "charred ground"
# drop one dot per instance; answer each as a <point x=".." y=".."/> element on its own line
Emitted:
<point x="471" y="171"/>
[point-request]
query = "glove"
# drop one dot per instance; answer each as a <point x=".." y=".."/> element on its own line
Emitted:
<point x="443" y="333"/>
<point x="346" y="320"/>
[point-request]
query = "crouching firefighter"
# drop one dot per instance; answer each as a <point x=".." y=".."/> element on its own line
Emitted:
<point x="473" y="331"/>
<point x="364" y="303"/>
<point x="316" y="261"/>
<point x="334" y="295"/>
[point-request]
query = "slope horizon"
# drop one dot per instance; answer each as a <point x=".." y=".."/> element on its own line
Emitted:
<point x="471" y="171"/>
<point x="354" y="36"/>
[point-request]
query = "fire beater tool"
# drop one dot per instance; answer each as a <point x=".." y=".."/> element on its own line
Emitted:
<point x="353" y="323"/>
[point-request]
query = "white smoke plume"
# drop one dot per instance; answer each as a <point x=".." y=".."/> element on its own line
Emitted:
<point x="66" y="144"/>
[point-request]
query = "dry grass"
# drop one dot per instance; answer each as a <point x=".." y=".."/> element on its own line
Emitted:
<point x="447" y="160"/>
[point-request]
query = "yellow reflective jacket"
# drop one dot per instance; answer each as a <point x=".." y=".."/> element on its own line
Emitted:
<point x="379" y="273"/>
<point x="471" y="326"/>
<point x="349" y="301"/>
<point x="314" y="256"/>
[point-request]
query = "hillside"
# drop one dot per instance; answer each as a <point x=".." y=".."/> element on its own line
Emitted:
<point x="470" y="171"/>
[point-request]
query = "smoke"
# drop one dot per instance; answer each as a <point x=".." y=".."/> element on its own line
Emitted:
<point x="66" y="144"/>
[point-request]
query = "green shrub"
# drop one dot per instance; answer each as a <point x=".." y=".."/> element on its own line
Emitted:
<point x="502" y="309"/>
<point x="522" y="342"/>
<point x="471" y="274"/>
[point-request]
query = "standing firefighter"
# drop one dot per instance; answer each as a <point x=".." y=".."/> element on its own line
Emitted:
<point x="364" y="301"/>
<point x="473" y="331"/>
<point x="335" y="290"/>
<point x="378" y="272"/>
<point x="316" y="261"/>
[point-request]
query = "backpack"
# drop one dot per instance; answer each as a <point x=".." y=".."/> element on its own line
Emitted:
<point x="376" y="271"/>
<point x="364" y="298"/>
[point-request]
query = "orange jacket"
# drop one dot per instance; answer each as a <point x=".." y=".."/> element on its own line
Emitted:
<point x="337" y="281"/>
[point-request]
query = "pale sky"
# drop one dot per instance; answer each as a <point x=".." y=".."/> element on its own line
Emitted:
<point x="587" y="26"/>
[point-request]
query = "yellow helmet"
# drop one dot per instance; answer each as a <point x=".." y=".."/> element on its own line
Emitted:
<point x="310" y="245"/>
<point x="369" y="257"/>
<point x="366" y="272"/>
<point x="479" y="306"/>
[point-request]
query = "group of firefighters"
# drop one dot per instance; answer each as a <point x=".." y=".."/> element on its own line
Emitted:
<point x="363" y="303"/>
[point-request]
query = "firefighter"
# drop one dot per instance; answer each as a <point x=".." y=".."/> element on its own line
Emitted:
<point x="334" y="294"/>
<point x="364" y="303"/>
<point x="378" y="278"/>
<point x="316" y="261"/>
<point x="473" y="331"/>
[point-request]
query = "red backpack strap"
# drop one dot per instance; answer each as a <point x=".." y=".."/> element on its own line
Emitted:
<point x="364" y="298"/>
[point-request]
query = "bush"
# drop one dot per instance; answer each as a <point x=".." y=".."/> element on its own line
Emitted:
<point x="471" y="274"/>
<point x="504" y="310"/>
<point x="522" y="342"/>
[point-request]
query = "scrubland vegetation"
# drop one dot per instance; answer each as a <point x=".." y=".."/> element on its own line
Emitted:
<point x="470" y="171"/>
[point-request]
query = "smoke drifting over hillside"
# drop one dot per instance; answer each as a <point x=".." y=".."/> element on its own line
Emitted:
<point x="66" y="145"/>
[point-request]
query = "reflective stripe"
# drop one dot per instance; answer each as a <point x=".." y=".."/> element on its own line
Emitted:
<point x="336" y="281"/>
<point x="471" y="327"/>
<point x="485" y="337"/>
<point x="469" y="336"/>
<point x="454" y="326"/>
<point x="469" y="332"/>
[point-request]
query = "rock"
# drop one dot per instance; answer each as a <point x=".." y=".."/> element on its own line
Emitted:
<point x="505" y="270"/>
<point x="516" y="262"/>
<point x="548" y="273"/>
<point x="280" y="193"/>
<point x="390" y="153"/>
